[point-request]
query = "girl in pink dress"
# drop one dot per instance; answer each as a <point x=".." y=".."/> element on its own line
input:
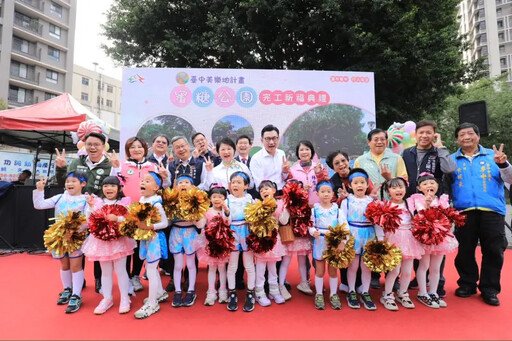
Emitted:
<point x="110" y="253"/>
<point x="268" y="260"/>
<point x="431" y="261"/>
<point x="219" y="207"/>
<point x="410" y="247"/>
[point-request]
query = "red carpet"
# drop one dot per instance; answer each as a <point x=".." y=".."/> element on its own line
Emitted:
<point x="30" y="285"/>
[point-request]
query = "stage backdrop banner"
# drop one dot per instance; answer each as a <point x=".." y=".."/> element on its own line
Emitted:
<point x="332" y="109"/>
<point x="12" y="164"/>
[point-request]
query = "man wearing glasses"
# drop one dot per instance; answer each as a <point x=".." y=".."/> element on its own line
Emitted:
<point x="270" y="163"/>
<point x="160" y="152"/>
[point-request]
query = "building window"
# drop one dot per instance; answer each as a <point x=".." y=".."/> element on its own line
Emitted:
<point x="19" y="69"/>
<point x="109" y="103"/>
<point x="502" y="48"/>
<point x="110" y="88"/>
<point x="85" y="81"/>
<point x="52" y="76"/>
<point x="503" y="62"/>
<point x="501" y="36"/>
<point x="53" y="53"/>
<point x="19" y="44"/>
<point x="17" y="94"/>
<point x="48" y="96"/>
<point x="56" y="9"/>
<point x="499" y="12"/>
<point x="101" y="86"/>
<point x="85" y="96"/>
<point x="500" y="24"/>
<point x="98" y="101"/>
<point x="55" y="31"/>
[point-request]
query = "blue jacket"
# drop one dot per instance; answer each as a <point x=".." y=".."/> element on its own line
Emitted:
<point x="477" y="184"/>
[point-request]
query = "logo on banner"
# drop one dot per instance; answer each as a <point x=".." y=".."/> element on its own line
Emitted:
<point x="135" y="78"/>
<point x="182" y="78"/>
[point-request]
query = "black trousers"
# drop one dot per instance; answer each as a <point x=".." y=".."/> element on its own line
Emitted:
<point x="137" y="262"/>
<point x="488" y="228"/>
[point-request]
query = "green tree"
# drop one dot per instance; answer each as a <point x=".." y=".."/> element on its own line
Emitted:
<point x="413" y="47"/>
<point x="169" y="125"/>
<point x="222" y="129"/>
<point x="3" y="105"/>
<point x="498" y="96"/>
<point x="329" y="128"/>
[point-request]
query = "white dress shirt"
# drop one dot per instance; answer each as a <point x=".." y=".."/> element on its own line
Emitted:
<point x="222" y="172"/>
<point x="267" y="167"/>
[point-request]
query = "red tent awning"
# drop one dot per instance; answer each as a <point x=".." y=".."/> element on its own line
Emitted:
<point x="55" y="114"/>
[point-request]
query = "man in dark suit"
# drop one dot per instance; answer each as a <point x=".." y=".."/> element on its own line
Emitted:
<point x="204" y="150"/>
<point x="243" y="147"/>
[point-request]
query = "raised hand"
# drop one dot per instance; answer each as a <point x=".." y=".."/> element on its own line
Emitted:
<point x="437" y="141"/>
<point x="170" y="157"/>
<point x="385" y="171"/>
<point x="286" y="164"/>
<point x="60" y="161"/>
<point x="212" y="148"/>
<point x="90" y="200"/>
<point x="114" y="159"/>
<point x="429" y="197"/>
<point x="499" y="156"/>
<point x="342" y="192"/>
<point x="41" y="183"/>
<point x="225" y="207"/>
<point x="162" y="171"/>
<point x="318" y="167"/>
<point x="195" y="153"/>
<point x="375" y="192"/>
<point x="208" y="164"/>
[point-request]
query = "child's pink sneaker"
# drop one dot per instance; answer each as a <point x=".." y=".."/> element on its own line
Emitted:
<point x="104" y="305"/>
<point x="124" y="306"/>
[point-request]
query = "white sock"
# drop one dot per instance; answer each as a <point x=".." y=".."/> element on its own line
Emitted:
<point x="65" y="277"/>
<point x="78" y="282"/>
<point x="319" y="285"/>
<point x="333" y="285"/>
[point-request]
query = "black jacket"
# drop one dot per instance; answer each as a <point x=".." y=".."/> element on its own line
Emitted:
<point x="430" y="164"/>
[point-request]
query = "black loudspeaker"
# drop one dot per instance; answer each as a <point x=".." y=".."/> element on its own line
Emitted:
<point x="476" y="113"/>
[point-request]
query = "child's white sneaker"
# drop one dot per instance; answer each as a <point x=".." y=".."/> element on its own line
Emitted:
<point x="223" y="296"/>
<point x="261" y="297"/>
<point x="211" y="297"/>
<point x="285" y="293"/>
<point x="147" y="310"/>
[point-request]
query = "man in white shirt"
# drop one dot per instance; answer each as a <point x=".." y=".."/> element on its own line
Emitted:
<point x="270" y="163"/>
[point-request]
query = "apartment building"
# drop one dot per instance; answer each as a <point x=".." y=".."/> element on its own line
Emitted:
<point x="101" y="94"/>
<point x="36" y="49"/>
<point x="488" y="26"/>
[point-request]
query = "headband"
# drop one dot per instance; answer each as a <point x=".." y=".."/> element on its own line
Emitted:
<point x="157" y="178"/>
<point x="216" y="185"/>
<point x="321" y="183"/>
<point x="426" y="174"/>
<point x="122" y="179"/>
<point x="185" y="176"/>
<point x="72" y="175"/>
<point x="243" y="175"/>
<point x="357" y="174"/>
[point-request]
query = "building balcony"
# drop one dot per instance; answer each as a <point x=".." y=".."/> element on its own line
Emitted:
<point x="32" y="26"/>
<point x="37" y="4"/>
<point x="30" y="77"/>
<point x="31" y="52"/>
<point x="20" y="101"/>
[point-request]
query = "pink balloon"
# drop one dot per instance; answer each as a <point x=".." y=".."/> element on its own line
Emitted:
<point x="409" y="126"/>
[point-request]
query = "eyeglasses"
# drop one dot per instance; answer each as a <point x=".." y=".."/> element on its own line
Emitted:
<point x="273" y="139"/>
<point x="95" y="145"/>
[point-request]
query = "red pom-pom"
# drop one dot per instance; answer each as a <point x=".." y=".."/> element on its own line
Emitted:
<point x="384" y="214"/>
<point x="261" y="245"/>
<point x="454" y="216"/>
<point x="295" y="198"/>
<point x="101" y="227"/>
<point x="219" y="236"/>
<point x="431" y="226"/>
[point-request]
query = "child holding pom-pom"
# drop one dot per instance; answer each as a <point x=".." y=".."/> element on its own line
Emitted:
<point x="153" y="249"/>
<point x="268" y="260"/>
<point x="217" y="239"/>
<point x="71" y="271"/>
<point x="434" y="253"/>
<point x="353" y="209"/>
<point x="323" y="215"/>
<point x="106" y="245"/>
<point x="402" y="237"/>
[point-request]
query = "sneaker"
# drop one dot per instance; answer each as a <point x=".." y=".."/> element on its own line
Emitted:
<point x="232" y="301"/>
<point x="319" y="302"/>
<point x="335" y="302"/>
<point x="223" y="296"/>
<point x="352" y="300"/>
<point x="75" y="302"/>
<point x="262" y="298"/>
<point x="275" y="294"/>
<point x="388" y="301"/>
<point x="190" y="298"/>
<point x="124" y="305"/>
<point x="147" y="310"/>
<point x="343" y="287"/>
<point x="441" y="292"/>
<point x="440" y="302"/>
<point x="414" y="284"/>
<point x="405" y="300"/>
<point x="305" y="288"/>
<point x="170" y="286"/>
<point x="137" y="285"/>
<point x="426" y="300"/>
<point x="285" y="293"/>
<point x="177" y="301"/>
<point x="367" y="301"/>
<point x="211" y="297"/>
<point x="104" y="305"/>
<point x="131" y="292"/>
<point x="64" y="296"/>
<point x="249" y="301"/>
<point x="161" y="298"/>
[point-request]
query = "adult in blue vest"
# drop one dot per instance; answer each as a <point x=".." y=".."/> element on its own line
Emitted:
<point x="478" y="189"/>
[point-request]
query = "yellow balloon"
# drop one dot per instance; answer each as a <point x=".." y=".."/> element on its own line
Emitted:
<point x="107" y="147"/>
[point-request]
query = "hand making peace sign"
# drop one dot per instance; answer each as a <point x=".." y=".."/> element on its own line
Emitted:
<point x="114" y="159"/>
<point x="60" y="161"/>
<point x="499" y="156"/>
<point x="286" y="164"/>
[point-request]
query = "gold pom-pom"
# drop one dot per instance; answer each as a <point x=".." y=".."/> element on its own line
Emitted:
<point x="193" y="204"/>
<point x="64" y="235"/>
<point x="332" y="255"/>
<point x="170" y="202"/>
<point x="139" y="212"/>
<point x="259" y="217"/>
<point x="381" y="256"/>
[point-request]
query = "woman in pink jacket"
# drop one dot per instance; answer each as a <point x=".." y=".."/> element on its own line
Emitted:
<point x="308" y="172"/>
<point x="133" y="170"/>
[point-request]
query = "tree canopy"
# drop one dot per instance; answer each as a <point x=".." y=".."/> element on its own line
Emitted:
<point x="412" y="46"/>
